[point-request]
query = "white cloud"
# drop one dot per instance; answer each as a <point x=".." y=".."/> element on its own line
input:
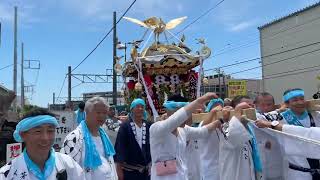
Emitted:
<point x="6" y="14"/>
<point x="96" y="9"/>
<point x="26" y="13"/>
<point x="241" y="26"/>
<point x="102" y="9"/>
<point x="234" y="15"/>
<point x="34" y="11"/>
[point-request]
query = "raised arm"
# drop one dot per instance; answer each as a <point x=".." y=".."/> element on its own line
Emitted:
<point x="179" y="117"/>
<point x="170" y="124"/>
<point x="237" y="133"/>
<point x="288" y="141"/>
<point x="193" y="133"/>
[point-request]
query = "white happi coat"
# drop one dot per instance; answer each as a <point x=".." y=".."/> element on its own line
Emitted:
<point x="301" y="160"/>
<point x="235" y="153"/>
<point x="166" y="146"/>
<point x="17" y="169"/>
<point x="74" y="146"/>
<point x="193" y="159"/>
<point x="309" y="149"/>
<point x="270" y="151"/>
<point x="209" y="156"/>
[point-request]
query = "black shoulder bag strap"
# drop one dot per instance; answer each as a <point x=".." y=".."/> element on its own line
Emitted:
<point x="313" y="163"/>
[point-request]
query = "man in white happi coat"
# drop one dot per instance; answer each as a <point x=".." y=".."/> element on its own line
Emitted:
<point x="300" y="167"/>
<point x="270" y="149"/>
<point x="209" y="147"/>
<point x="191" y="151"/>
<point x="89" y="144"/>
<point x="39" y="161"/>
<point x="294" y="137"/>
<point x="169" y="139"/>
<point x="239" y="157"/>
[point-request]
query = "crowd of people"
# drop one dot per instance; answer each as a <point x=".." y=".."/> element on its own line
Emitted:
<point x="227" y="147"/>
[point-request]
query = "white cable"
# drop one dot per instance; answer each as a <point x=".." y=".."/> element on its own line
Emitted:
<point x="145" y="44"/>
<point x="174" y="36"/>
<point x="150" y="101"/>
<point x="199" y="78"/>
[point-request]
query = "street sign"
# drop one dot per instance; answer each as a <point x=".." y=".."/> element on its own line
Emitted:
<point x="236" y="88"/>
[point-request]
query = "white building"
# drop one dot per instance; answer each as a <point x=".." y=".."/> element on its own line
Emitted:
<point x="108" y="95"/>
<point x="290" y="52"/>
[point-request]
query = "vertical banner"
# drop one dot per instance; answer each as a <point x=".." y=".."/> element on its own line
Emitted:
<point x="67" y="123"/>
<point x="13" y="151"/>
<point x="236" y="87"/>
<point x="193" y="80"/>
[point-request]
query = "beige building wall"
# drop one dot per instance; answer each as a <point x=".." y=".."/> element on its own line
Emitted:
<point x="253" y="85"/>
<point x="297" y="68"/>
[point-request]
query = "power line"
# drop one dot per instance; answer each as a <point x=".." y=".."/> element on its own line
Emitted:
<point x="37" y="76"/>
<point x="76" y="85"/>
<point x="245" y="70"/>
<point x="236" y="48"/>
<point x="310" y="67"/>
<point x="276" y="62"/>
<point x="295" y="73"/>
<point x="266" y="56"/>
<point x="195" y="20"/>
<point x="233" y="64"/>
<point x="6" y="67"/>
<point x="62" y="87"/>
<point x="232" y="43"/>
<point x="104" y="36"/>
<point x="270" y="76"/>
<point x="268" y="37"/>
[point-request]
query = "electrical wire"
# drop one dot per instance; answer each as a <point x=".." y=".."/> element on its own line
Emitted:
<point x="265" y="38"/>
<point x="203" y="14"/>
<point x="104" y="36"/>
<point x="266" y="56"/>
<point x="62" y="87"/>
<point x="310" y="52"/>
<point x="6" y="67"/>
<point x="294" y="73"/>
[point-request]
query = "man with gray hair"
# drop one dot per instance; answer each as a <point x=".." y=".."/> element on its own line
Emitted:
<point x="89" y="144"/>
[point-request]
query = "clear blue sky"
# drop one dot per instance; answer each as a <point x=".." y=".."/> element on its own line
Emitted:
<point x="62" y="32"/>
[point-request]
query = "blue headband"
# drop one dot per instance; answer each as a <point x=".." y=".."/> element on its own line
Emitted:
<point x="293" y="94"/>
<point x="31" y="122"/>
<point x="137" y="102"/>
<point x="172" y="105"/>
<point x="214" y="102"/>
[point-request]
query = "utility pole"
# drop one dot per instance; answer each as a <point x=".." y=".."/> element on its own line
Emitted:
<point x="22" y="77"/>
<point x="54" y="98"/>
<point x="125" y="52"/>
<point x="69" y="85"/>
<point x="15" y="56"/>
<point x="0" y="34"/>
<point x="218" y="70"/>
<point x="224" y="86"/>
<point x="115" y="42"/>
